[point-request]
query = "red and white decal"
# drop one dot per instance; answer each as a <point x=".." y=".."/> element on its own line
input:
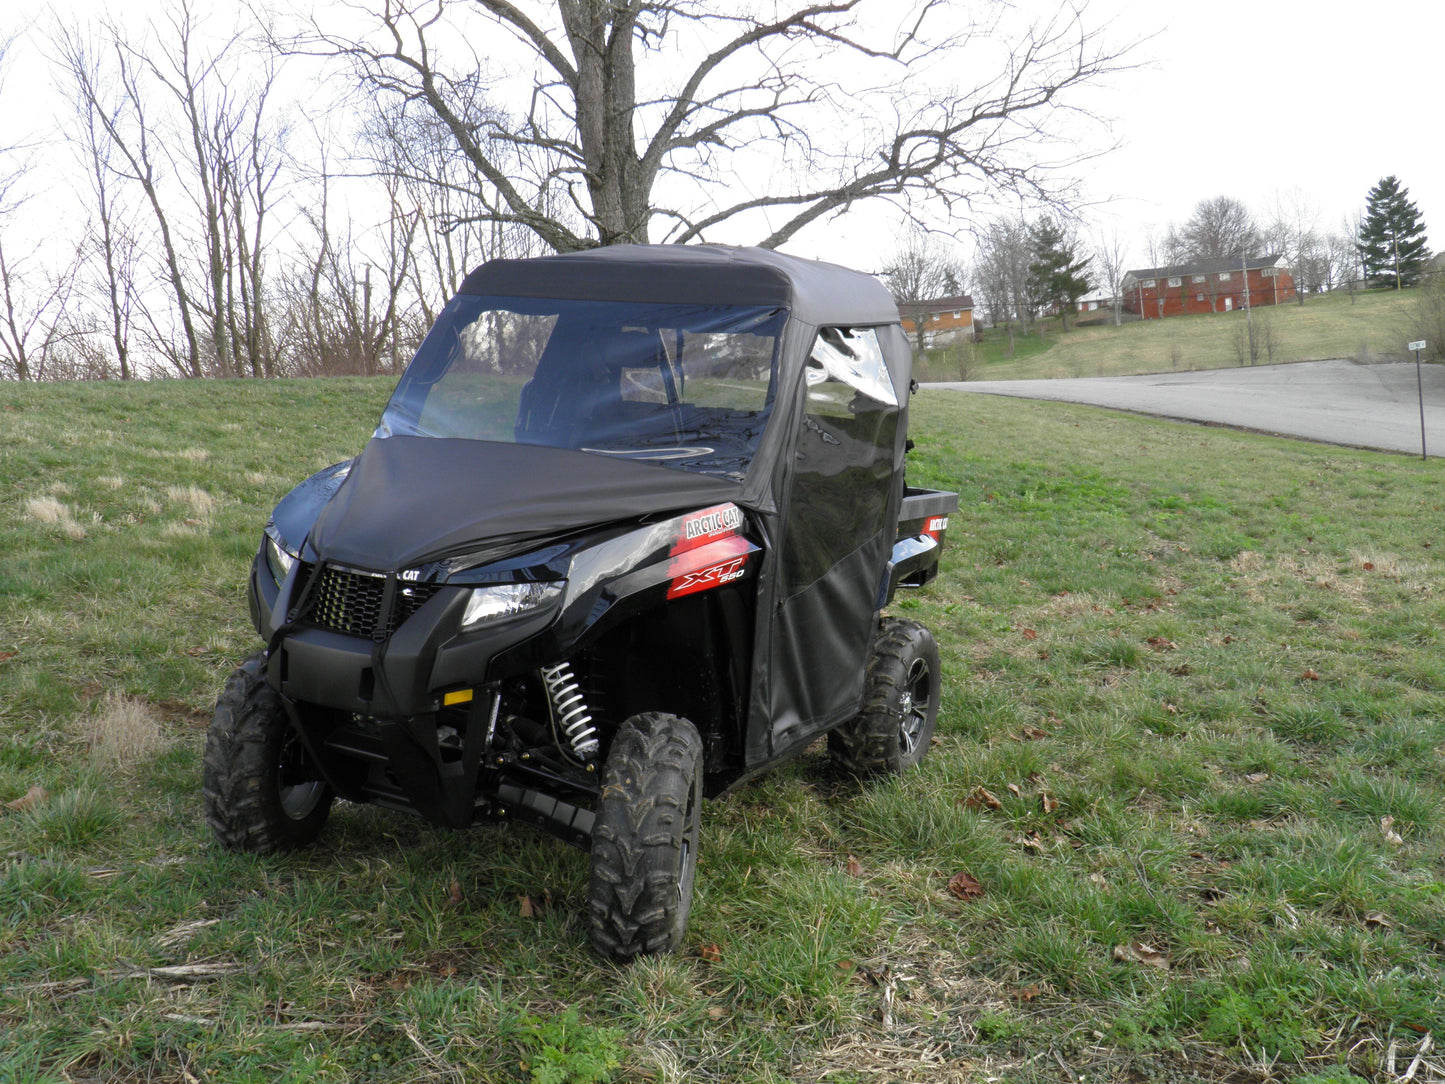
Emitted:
<point x="708" y="551"/>
<point x="935" y="526"/>
<point x="713" y="576"/>
<point x="700" y="528"/>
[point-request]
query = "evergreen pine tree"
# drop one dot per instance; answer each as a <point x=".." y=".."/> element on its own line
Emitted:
<point x="1057" y="274"/>
<point x="1392" y="237"/>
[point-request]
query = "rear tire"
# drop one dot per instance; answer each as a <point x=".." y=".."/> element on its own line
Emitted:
<point x="893" y="730"/>
<point x="644" y="841"/>
<point x="263" y="794"/>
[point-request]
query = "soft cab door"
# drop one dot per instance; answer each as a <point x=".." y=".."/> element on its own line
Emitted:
<point x="838" y="529"/>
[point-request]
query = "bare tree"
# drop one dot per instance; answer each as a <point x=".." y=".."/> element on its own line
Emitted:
<point x="1002" y="269"/>
<point x="1219" y="227"/>
<point x="1164" y="247"/>
<point x="34" y="325"/>
<point x="647" y="110"/>
<point x="1344" y="250"/>
<point x="1111" y="256"/>
<point x="121" y="108"/>
<point x="234" y="160"/>
<point x="1292" y="230"/>
<point x="33" y="301"/>
<point x="412" y="155"/>
<point x="112" y="244"/>
<point x="922" y="268"/>
<point x="346" y="303"/>
<point x="185" y="129"/>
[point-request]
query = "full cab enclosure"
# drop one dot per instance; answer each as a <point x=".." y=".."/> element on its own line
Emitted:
<point x="624" y="537"/>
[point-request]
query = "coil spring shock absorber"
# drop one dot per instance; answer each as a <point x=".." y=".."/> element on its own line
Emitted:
<point x="569" y="710"/>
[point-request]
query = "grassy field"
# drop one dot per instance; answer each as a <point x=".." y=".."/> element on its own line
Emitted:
<point x="1191" y="760"/>
<point x="1375" y="325"/>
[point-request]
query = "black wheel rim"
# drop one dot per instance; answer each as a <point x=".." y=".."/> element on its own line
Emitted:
<point x="299" y="795"/>
<point x="687" y="853"/>
<point x="913" y="703"/>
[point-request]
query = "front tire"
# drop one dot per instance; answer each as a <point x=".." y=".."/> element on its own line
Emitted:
<point x="262" y="793"/>
<point x="644" y="840"/>
<point x="900" y="703"/>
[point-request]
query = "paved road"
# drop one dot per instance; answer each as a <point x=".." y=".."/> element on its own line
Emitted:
<point x="1335" y="402"/>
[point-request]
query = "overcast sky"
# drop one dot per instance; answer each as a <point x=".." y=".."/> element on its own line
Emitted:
<point x="1236" y="99"/>
<point x="1243" y="99"/>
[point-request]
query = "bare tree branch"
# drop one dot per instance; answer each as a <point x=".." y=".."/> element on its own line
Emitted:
<point x="756" y="90"/>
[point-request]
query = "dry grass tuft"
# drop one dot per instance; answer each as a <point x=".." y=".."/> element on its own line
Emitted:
<point x="1414" y="575"/>
<point x="194" y="498"/>
<point x="1246" y="561"/>
<point x="111" y="481"/>
<point x="54" y="513"/>
<point x="47" y="510"/>
<point x="1074" y="605"/>
<point x="122" y="732"/>
<point x="181" y="530"/>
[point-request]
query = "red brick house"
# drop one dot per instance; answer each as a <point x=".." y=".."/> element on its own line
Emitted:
<point x="1220" y="285"/>
<point x="942" y="318"/>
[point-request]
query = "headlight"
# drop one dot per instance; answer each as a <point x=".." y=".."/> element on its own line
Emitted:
<point x="278" y="560"/>
<point x="507" y="600"/>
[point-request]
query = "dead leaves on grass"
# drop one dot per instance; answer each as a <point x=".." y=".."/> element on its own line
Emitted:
<point x="31" y="799"/>
<point x="963" y="885"/>
<point x="982" y="798"/>
<point x="1138" y="952"/>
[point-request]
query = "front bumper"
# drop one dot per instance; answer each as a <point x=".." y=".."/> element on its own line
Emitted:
<point x="407" y="674"/>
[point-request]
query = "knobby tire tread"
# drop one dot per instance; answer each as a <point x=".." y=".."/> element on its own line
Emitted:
<point x="867" y="744"/>
<point x="239" y="769"/>
<point x="638" y="896"/>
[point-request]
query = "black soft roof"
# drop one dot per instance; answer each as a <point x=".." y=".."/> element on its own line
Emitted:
<point x="813" y="291"/>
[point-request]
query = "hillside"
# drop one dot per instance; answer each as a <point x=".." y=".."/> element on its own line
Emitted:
<point x="1375" y="325"/>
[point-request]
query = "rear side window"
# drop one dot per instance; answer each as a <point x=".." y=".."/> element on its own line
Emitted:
<point x="844" y="463"/>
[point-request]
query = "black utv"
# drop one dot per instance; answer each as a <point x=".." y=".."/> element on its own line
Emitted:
<point x="623" y="538"/>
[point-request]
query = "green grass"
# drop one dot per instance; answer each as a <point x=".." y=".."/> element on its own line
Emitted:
<point x="1377" y="324"/>
<point x="1198" y="670"/>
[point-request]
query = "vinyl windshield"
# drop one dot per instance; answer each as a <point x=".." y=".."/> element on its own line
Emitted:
<point x="682" y="386"/>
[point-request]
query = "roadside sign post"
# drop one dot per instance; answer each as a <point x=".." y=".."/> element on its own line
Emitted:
<point x="1420" y="384"/>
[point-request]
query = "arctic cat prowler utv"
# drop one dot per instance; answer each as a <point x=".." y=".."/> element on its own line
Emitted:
<point x="623" y="538"/>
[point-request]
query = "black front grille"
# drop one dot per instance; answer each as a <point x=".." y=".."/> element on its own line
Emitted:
<point x="350" y="602"/>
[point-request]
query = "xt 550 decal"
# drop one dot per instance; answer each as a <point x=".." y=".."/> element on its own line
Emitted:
<point x="709" y="551"/>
